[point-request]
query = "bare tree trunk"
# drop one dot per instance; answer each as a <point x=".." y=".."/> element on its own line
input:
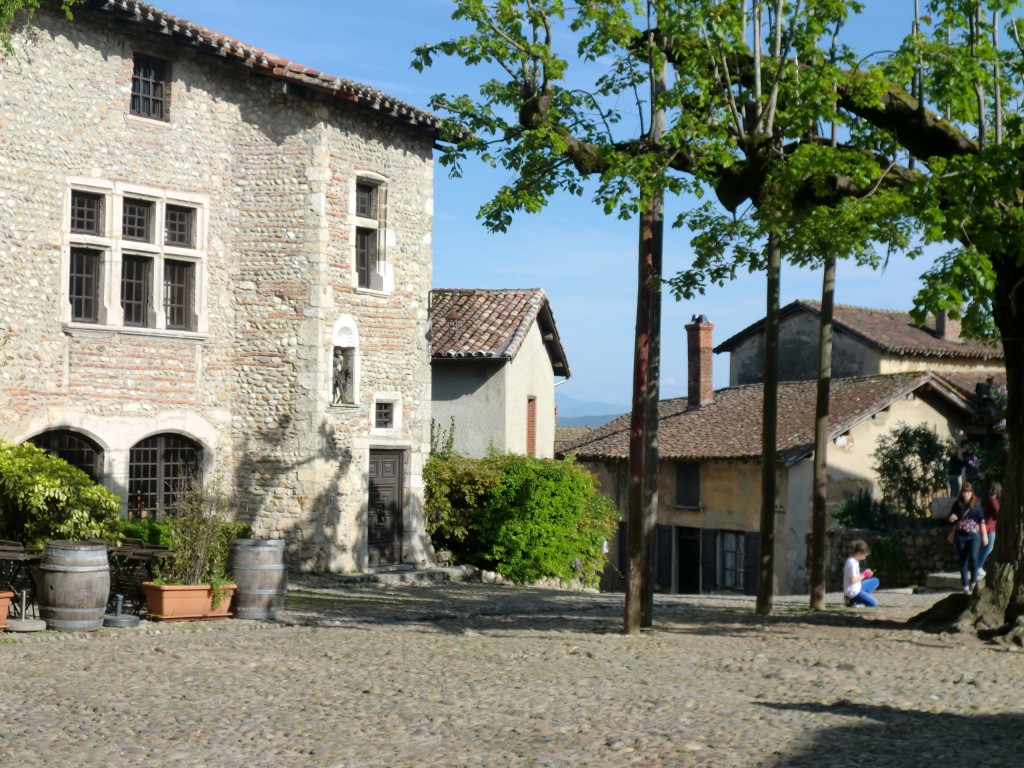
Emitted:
<point x="640" y="530"/>
<point x="769" y="451"/>
<point x="818" y="507"/>
<point x="651" y="237"/>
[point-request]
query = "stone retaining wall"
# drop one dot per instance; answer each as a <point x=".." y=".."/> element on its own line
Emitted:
<point x="900" y="558"/>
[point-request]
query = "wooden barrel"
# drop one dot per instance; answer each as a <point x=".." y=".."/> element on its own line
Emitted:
<point x="74" y="582"/>
<point x="258" y="567"/>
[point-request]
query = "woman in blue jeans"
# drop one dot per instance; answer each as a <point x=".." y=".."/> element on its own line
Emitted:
<point x="857" y="586"/>
<point x="968" y="534"/>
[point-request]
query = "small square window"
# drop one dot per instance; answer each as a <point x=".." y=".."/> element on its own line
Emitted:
<point x="136" y="220"/>
<point x="149" y="88"/>
<point x="366" y="201"/>
<point x="179" y="226"/>
<point x="86" y="213"/>
<point x="384" y="415"/>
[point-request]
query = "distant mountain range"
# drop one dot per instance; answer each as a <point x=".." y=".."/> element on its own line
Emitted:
<point x="586" y="413"/>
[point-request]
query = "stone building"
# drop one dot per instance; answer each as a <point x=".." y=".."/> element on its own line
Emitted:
<point x="496" y="354"/>
<point x="709" y="479"/>
<point x="214" y="258"/>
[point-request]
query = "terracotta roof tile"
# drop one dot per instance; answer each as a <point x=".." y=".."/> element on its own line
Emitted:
<point x="730" y="426"/>
<point x="474" y="322"/>
<point x="889" y="330"/>
<point x="260" y="61"/>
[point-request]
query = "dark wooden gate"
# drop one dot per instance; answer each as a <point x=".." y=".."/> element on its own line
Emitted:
<point x="384" y="512"/>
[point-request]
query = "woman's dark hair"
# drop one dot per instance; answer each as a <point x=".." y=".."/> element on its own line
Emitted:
<point x="858" y="547"/>
<point x="967" y="487"/>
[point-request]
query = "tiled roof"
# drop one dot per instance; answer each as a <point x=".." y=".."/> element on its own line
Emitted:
<point x="259" y="61"/>
<point x="566" y="436"/>
<point x="730" y="426"/>
<point x="888" y="330"/>
<point x="479" y="323"/>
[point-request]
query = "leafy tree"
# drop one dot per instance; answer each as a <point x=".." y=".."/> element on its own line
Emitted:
<point x="911" y="466"/>
<point x="43" y="497"/>
<point x="14" y="13"/>
<point x="743" y="111"/>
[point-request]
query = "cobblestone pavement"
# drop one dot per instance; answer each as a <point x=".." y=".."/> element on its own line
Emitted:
<point x="483" y="675"/>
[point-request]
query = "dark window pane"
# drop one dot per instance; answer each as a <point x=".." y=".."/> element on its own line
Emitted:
<point x="366" y="201"/>
<point x="158" y="467"/>
<point x="179" y="226"/>
<point x="178" y="284"/>
<point x="135" y="290"/>
<point x="366" y="257"/>
<point x="384" y="415"/>
<point x="84" y="285"/>
<point x="148" y="82"/>
<point x="137" y="219"/>
<point x="86" y="213"/>
<point x="687" y="484"/>
<point x="76" y="450"/>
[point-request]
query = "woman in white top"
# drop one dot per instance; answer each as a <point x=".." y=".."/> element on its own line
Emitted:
<point x="857" y="586"/>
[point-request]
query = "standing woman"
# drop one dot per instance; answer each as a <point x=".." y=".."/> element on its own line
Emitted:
<point x="990" y="511"/>
<point x="968" y="534"/>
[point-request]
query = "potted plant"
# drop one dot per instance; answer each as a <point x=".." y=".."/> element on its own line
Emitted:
<point x="193" y="582"/>
<point x="5" y="604"/>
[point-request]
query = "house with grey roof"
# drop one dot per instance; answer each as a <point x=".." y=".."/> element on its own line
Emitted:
<point x="495" y="356"/>
<point x="709" y="491"/>
<point x="216" y="259"/>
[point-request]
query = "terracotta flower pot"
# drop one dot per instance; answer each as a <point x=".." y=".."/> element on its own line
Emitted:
<point x="166" y="602"/>
<point x="5" y="605"/>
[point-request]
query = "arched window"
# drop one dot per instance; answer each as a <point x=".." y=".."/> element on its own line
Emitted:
<point x="159" y="467"/>
<point x="76" y="449"/>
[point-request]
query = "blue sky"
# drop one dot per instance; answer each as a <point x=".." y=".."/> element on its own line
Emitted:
<point x="586" y="262"/>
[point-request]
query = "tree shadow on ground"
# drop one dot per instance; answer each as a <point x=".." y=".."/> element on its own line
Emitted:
<point x="460" y="607"/>
<point x="887" y="737"/>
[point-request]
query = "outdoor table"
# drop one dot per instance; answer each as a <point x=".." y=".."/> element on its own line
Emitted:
<point x="17" y="573"/>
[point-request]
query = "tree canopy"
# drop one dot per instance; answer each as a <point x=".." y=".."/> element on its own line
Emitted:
<point x="795" y="132"/>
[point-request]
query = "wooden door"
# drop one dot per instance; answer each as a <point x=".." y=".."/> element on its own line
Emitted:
<point x="384" y="510"/>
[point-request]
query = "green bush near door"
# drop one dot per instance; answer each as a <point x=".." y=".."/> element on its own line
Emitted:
<point x="523" y="517"/>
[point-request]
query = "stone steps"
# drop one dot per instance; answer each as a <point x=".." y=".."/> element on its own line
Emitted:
<point x="384" y="576"/>
<point x="948" y="581"/>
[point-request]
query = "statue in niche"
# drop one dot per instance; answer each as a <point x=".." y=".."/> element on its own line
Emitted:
<point x="342" y="377"/>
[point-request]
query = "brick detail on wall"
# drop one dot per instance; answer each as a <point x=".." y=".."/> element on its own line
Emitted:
<point x="531" y="426"/>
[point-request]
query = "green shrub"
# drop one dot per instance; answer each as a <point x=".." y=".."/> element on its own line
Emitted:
<point x="861" y="511"/>
<point x="156" y="533"/>
<point x="911" y="466"/>
<point x="43" y="497"/>
<point x="524" y="517"/>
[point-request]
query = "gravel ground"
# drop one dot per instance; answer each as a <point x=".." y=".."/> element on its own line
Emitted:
<point x="485" y="675"/>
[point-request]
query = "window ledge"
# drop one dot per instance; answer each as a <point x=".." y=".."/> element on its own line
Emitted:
<point x="372" y="292"/>
<point x="89" y="329"/>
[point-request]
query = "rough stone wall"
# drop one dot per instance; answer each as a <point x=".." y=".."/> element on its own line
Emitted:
<point x="274" y="175"/>
<point x="901" y="559"/>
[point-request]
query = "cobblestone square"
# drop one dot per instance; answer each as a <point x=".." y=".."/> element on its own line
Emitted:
<point x="485" y="675"/>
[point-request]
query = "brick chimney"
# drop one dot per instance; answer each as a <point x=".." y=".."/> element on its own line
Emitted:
<point x="700" y="390"/>
<point x="946" y="327"/>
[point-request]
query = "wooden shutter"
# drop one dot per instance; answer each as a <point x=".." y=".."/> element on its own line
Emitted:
<point x="663" y="558"/>
<point x="752" y="548"/>
<point x="708" y="560"/>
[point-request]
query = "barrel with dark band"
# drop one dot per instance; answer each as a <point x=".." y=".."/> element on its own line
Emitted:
<point x="258" y="567"/>
<point x="74" y="582"/>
